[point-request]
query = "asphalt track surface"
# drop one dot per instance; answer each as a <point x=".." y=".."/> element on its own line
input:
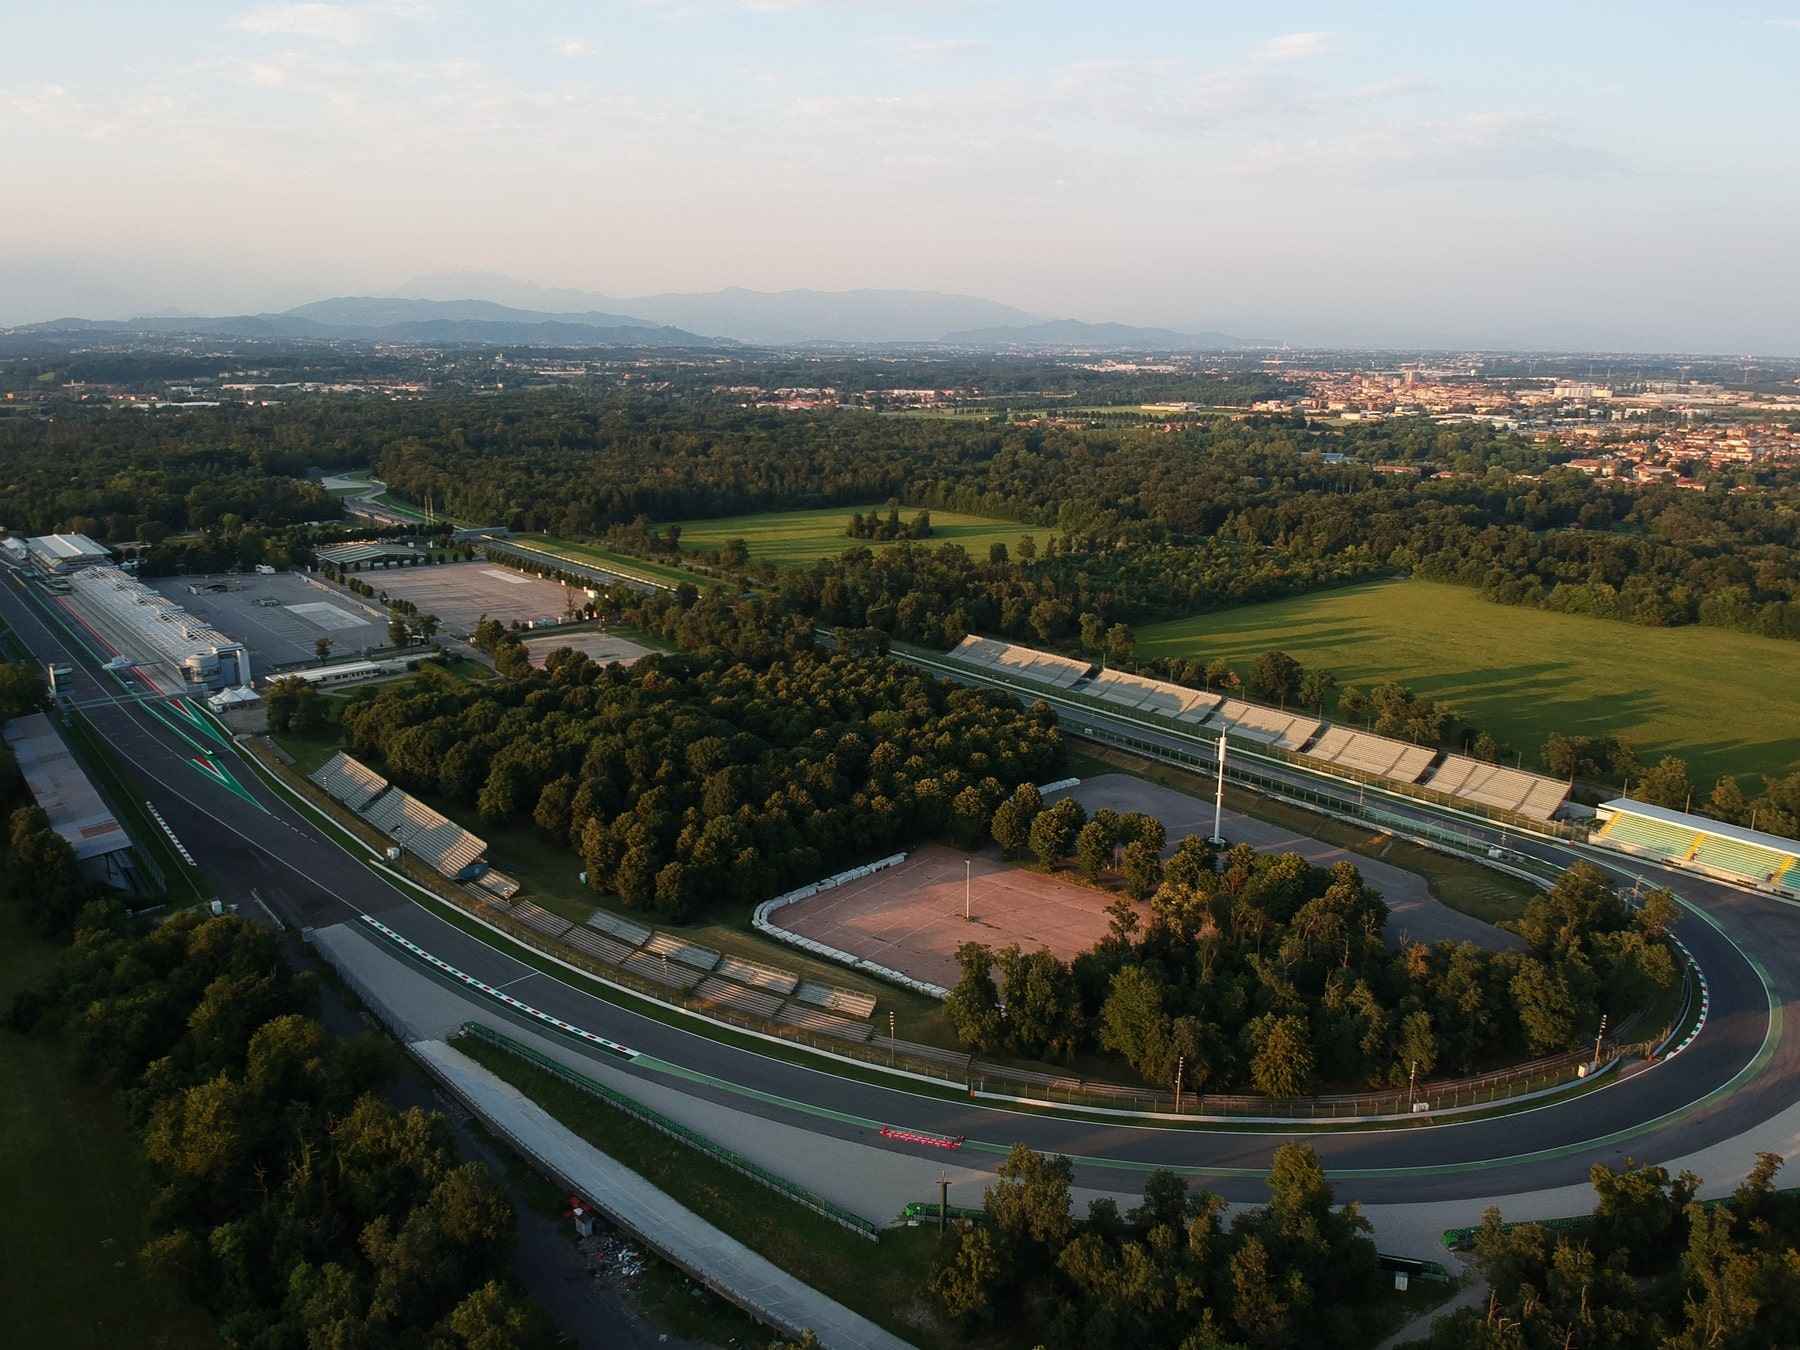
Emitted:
<point x="259" y="847"/>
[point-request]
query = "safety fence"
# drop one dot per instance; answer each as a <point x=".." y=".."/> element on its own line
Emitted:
<point x="674" y="1130"/>
<point x="1424" y="1099"/>
<point x="763" y="924"/>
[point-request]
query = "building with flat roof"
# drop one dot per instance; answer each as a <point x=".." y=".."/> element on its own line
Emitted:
<point x="63" y="790"/>
<point x="377" y="553"/>
<point x="66" y="552"/>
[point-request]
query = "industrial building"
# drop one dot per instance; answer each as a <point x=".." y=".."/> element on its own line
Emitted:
<point x="377" y="553"/>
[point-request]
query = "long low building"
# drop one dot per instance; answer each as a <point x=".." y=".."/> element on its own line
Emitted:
<point x="1731" y="852"/>
<point x="1473" y="782"/>
<point x="149" y="629"/>
<point x="69" y="799"/>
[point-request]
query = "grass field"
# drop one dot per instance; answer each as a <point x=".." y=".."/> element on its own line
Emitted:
<point x="1723" y="701"/>
<point x="790" y="537"/>
<point x="77" y="1191"/>
<point x="623" y="563"/>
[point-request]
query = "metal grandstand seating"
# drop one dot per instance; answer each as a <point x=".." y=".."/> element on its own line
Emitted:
<point x="846" y="1001"/>
<point x="1674" y="842"/>
<point x="661" y="970"/>
<point x="539" y="919"/>
<point x="1363" y="751"/>
<point x="1545" y="799"/>
<point x="486" y="898"/>
<point x="1738" y="858"/>
<point x="824" y="1023"/>
<point x="1492" y="785"/>
<point x="350" y="781"/>
<point x="757" y="975"/>
<point x="1155" y="696"/>
<point x="679" y="949"/>
<point x="447" y="848"/>
<point x="1452" y="774"/>
<point x="596" y="945"/>
<point x="724" y="994"/>
<point x="623" y="930"/>
<point x="1025" y="662"/>
<point x="497" y="883"/>
<point x="1270" y="726"/>
<point x="387" y="813"/>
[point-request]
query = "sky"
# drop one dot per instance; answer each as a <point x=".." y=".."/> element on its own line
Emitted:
<point x="1571" y="175"/>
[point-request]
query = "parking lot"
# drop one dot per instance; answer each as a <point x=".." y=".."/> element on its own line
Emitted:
<point x="461" y="594"/>
<point x="279" y="618"/>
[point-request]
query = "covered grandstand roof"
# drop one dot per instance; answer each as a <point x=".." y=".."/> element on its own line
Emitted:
<point x="1705" y="825"/>
<point x="349" y="555"/>
<point x="59" y="550"/>
<point x="60" y="786"/>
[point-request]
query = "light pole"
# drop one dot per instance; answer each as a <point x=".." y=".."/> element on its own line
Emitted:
<point x="1219" y="797"/>
<point x="1412" y="1082"/>
<point x="892" y="1050"/>
<point x="968" y="873"/>
<point x="1598" y="1037"/>
<point x="1180" y="1064"/>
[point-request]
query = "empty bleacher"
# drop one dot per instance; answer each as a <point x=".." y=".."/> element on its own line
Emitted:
<point x="846" y="1001"/>
<point x="1672" y="842"/>
<point x="724" y="994"/>
<point x="1499" y="788"/>
<point x="539" y="919"/>
<point x="824" y="1023"/>
<point x="497" y="884"/>
<point x="1685" y="840"/>
<point x="1028" y="663"/>
<point x="1147" y="695"/>
<point x="661" y="970"/>
<point x="621" y="930"/>
<point x="679" y="949"/>
<point x="1268" y="726"/>
<point x="757" y="975"/>
<point x="1738" y="858"/>
<point x="596" y="945"/>
<point x="1365" y="752"/>
<point x="433" y="838"/>
<point x="349" y="781"/>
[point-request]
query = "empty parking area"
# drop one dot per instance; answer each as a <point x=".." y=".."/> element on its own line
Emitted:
<point x="462" y="594"/>
<point x="601" y="648"/>
<point x="279" y="618"/>
<point x="910" y="917"/>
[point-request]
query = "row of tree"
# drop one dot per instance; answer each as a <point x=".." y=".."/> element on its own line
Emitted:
<point x="876" y="529"/>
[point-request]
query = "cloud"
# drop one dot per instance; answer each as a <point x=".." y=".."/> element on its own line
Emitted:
<point x="942" y="46"/>
<point x="573" y="46"/>
<point x="1294" y="46"/>
<point x="346" y="25"/>
<point x="1784" y="23"/>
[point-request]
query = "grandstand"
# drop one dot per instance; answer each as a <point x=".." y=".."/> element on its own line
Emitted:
<point x="350" y="781"/>
<point x="1367" y="753"/>
<point x="1007" y="658"/>
<point x="153" y="630"/>
<point x="434" y="839"/>
<point x="1499" y="788"/>
<point x="1269" y="726"/>
<point x="1157" y="696"/>
<point x="1730" y="852"/>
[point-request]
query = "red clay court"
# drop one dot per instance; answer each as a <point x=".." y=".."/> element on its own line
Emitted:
<point x="910" y="917"/>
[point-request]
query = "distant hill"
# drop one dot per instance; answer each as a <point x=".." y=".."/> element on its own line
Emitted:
<point x="1092" y="336"/>
<point x="383" y="319"/>
<point x="775" y="317"/>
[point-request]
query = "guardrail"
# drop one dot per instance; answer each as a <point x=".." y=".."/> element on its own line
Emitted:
<point x="681" y="1133"/>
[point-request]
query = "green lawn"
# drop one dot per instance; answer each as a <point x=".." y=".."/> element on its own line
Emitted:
<point x="1723" y="701"/>
<point x="790" y="537"/>
<point x="76" y="1194"/>
<point x="623" y="563"/>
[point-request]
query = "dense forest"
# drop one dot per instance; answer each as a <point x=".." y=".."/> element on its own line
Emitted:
<point x="1172" y="1271"/>
<point x="697" y="779"/>
<point x="293" y="1201"/>
<point x="1260" y="971"/>
<point x="1650" y="1269"/>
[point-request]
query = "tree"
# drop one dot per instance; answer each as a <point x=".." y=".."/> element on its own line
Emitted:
<point x="1283" y="1063"/>
<point x="1011" y="826"/>
<point x="973" y="1004"/>
<point x="1276" y="676"/>
<point x="970" y="1275"/>
<point x="1029" y="1203"/>
<point x="1143" y="870"/>
<point x="734" y="554"/>
<point x="1728" y="802"/>
<point x="1120" y="643"/>
<point x="22" y="689"/>
<point x="322" y="648"/>
<point x="1053" y="832"/>
<point x="1665" y="784"/>
<point x="1094" y="844"/>
<point x="1316" y="686"/>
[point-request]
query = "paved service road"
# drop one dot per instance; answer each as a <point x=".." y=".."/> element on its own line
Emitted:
<point x="1741" y="1071"/>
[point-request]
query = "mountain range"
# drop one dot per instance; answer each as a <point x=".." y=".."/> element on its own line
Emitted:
<point x="709" y="319"/>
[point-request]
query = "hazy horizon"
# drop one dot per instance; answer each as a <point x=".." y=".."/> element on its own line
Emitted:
<point x="1615" y="178"/>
